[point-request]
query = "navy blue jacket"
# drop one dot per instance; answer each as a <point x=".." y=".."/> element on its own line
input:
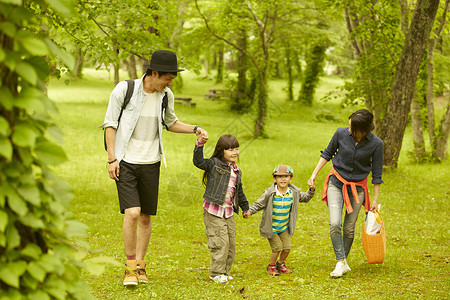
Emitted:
<point x="355" y="162"/>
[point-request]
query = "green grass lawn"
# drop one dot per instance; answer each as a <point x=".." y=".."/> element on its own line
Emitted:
<point x="414" y="202"/>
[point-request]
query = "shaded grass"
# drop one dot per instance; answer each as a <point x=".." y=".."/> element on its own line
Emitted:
<point x="414" y="206"/>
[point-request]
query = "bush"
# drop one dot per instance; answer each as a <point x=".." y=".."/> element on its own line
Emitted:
<point x="37" y="258"/>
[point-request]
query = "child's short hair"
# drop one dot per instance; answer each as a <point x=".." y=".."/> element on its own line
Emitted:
<point x="283" y="170"/>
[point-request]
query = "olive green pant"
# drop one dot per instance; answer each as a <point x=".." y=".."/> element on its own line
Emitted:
<point x="221" y="238"/>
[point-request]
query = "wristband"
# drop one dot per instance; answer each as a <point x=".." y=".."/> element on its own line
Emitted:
<point x="195" y="128"/>
<point x="114" y="160"/>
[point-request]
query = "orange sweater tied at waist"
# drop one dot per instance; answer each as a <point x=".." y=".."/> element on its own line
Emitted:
<point x="348" y="206"/>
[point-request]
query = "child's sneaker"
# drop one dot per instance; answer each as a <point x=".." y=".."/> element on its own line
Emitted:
<point x="219" y="278"/>
<point x="272" y="269"/>
<point x="282" y="268"/>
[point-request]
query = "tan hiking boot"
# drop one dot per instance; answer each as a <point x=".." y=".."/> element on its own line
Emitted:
<point x="141" y="274"/>
<point x="130" y="273"/>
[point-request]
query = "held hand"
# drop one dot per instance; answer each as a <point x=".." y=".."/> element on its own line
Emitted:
<point x="202" y="135"/>
<point x="247" y="214"/>
<point x="312" y="187"/>
<point x="113" y="170"/>
<point x="311" y="182"/>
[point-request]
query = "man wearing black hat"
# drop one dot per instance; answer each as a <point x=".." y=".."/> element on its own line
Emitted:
<point x="135" y="151"/>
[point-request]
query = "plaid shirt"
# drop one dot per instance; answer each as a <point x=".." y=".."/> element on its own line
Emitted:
<point x="226" y="210"/>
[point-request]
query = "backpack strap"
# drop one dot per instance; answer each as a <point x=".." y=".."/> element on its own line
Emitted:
<point x="126" y="100"/>
<point x="130" y="90"/>
<point x="164" y="104"/>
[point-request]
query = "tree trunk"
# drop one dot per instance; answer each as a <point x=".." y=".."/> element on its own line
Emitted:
<point x="240" y="100"/>
<point x="144" y="62"/>
<point x="416" y="120"/>
<point x="314" y="67"/>
<point x="298" y="64"/>
<point x="405" y="11"/>
<point x="350" y="20"/>
<point x="77" y="72"/>
<point x="262" y="104"/>
<point x="242" y="67"/>
<point x="443" y="135"/>
<point x="131" y="66"/>
<point x="207" y="64"/>
<point x="220" y="65"/>
<point x="117" y="64"/>
<point x="290" y="87"/>
<point x="430" y="80"/>
<point x="116" y="74"/>
<point x="430" y="83"/>
<point x="403" y="87"/>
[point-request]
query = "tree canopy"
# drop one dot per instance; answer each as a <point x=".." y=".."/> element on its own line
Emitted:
<point x="290" y="39"/>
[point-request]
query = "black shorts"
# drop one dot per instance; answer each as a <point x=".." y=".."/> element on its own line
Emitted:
<point x="138" y="187"/>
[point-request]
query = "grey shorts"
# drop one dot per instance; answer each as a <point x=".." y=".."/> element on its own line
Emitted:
<point x="138" y="187"/>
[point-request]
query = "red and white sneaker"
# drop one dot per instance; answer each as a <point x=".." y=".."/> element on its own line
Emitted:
<point x="272" y="269"/>
<point x="282" y="268"/>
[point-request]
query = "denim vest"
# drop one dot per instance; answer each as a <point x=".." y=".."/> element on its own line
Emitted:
<point x="218" y="175"/>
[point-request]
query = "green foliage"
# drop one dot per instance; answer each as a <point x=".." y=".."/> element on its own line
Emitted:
<point x="37" y="260"/>
<point x="268" y="25"/>
<point x="377" y="33"/>
<point x="105" y="32"/>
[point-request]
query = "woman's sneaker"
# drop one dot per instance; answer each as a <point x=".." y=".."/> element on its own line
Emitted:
<point x="272" y="269"/>
<point x="219" y="278"/>
<point x="282" y="268"/>
<point x="340" y="269"/>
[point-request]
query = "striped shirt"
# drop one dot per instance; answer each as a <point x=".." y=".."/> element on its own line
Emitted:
<point x="281" y="209"/>
<point x="225" y="210"/>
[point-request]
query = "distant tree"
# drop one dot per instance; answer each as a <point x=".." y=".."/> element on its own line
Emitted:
<point x="263" y="16"/>
<point x="220" y="63"/>
<point x="438" y="136"/>
<point x="403" y="86"/>
<point x="267" y="23"/>
<point x="423" y="102"/>
<point x="388" y="62"/>
<point x="242" y="99"/>
<point x="289" y="70"/>
<point x="314" y="68"/>
<point x="111" y="32"/>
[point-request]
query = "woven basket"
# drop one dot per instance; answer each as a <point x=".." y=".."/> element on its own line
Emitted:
<point x="374" y="246"/>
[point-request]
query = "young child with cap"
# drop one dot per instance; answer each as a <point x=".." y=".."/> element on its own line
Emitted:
<point x="280" y="205"/>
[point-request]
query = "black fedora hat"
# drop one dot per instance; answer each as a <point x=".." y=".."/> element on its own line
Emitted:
<point x="164" y="61"/>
